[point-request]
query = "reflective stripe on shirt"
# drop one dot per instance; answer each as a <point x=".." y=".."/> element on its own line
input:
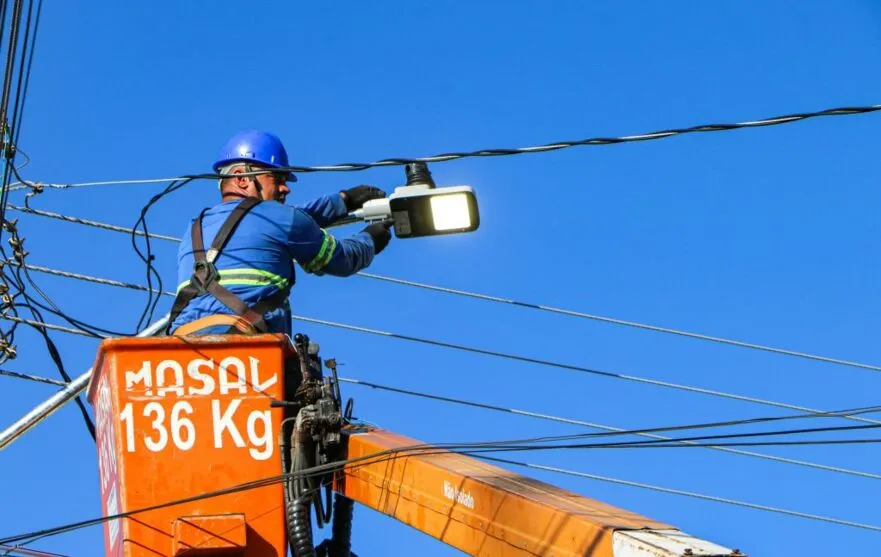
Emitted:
<point x="245" y="277"/>
<point x="325" y="254"/>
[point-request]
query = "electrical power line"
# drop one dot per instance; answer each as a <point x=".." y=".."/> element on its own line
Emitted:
<point x="692" y="494"/>
<point x="549" y="417"/>
<point x="87" y="222"/>
<point x="496" y="299"/>
<point x="571" y="367"/>
<point x="12" y="551"/>
<point x="389" y="454"/>
<point x="35" y="378"/>
<point x="20" y="185"/>
<point x="89" y="278"/>
<point x="503" y="355"/>
<point x="38" y="324"/>
<point x="623" y="322"/>
<point x="555" y="146"/>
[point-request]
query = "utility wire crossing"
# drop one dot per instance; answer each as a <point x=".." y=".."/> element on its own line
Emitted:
<point x="571" y="421"/>
<point x="424" y="449"/>
<point x="555" y="146"/>
<point x="491" y="298"/>
<point x="493" y="353"/>
<point x="683" y="493"/>
<point x="571" y="367"/>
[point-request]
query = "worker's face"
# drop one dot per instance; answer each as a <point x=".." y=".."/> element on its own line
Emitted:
<point x="268" y="187"/>
<point x="273" y="187"/>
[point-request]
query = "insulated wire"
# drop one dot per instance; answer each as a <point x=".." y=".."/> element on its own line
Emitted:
<point x="89" y="278"/>
<point x="27" y="79"/>
<point x="549" y="417"/>
<point x="38" y="324"/>
<point x="35" y="378"/>
<point x="29" y="185"/>
<point x="497" y="299"/>
<point x="571" y="367"/>
<point x="683" y="493"/>
<point x="703" y="128"/>
<point x="515" y="357"/>
<point x="9" y="550"/>
<point x="391" y="454"/>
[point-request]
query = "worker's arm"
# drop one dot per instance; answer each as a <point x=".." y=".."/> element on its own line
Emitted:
<point x="320" y="252"/>
<point x="328" y="209"/>
<point x="325" y="210"/>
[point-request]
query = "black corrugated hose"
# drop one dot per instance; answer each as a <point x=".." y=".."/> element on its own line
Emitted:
<point x="297" y="502"/>
<point x="299" y="526"/>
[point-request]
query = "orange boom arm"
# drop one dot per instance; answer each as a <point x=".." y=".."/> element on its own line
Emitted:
<point x="485" y="510"/>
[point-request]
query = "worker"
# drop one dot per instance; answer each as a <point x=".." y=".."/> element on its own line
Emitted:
<point x="235" y="263"/>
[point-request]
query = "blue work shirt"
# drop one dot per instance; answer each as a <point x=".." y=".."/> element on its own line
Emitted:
<point x="257" y="259"/>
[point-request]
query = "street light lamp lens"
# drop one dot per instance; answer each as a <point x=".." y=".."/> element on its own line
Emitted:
<point x="450" y="212"/>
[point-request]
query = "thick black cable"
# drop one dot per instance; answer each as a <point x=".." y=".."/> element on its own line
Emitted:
<point x="596" y="141"/>
<point x="147" y="258"/>
<point x="557" y="145"/>
<point x="19" y="99"/>
<point x="55" y="355"/>
<point x="5" y="135"/>
<point x="10" y="65"/>
<point x="55" y="310"/>
<point x="27" y="78"/>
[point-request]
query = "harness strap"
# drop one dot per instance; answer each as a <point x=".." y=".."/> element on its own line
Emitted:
<point x="204" y="279"/>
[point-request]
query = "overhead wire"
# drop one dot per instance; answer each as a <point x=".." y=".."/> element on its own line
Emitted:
<point x="40" y="324"/>
<point x="20" y="185"/>
<point x="147" y="258"/>
<point x="90" y="278"/>
<point x="683" y="493"/>
<point x="569" y="367"/>
<point x="34" y="378"/>
<point x="497" y="299"/>
<point x="548" y="363"/>
<point x="390" y="454"/>
<point x="23" y="551"/>
<point x="496" y="152"/>
<point x="549" y="417"/>
<point x="27" y="78"/>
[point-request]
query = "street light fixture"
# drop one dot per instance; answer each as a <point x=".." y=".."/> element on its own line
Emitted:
<point x="420" y="208"/>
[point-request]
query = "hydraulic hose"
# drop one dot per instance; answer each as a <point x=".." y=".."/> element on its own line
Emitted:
<point x="298" y="498"/>
<point x="300" y="526"/>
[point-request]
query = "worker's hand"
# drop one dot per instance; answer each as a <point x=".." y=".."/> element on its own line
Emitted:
<point x="355" y="198"/>
<point x="381" y="235"/>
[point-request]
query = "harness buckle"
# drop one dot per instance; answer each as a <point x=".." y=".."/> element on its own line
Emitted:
<point x="204" y="273"/>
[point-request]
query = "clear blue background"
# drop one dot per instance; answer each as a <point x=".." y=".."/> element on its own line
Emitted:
<point x="766" y="235"/>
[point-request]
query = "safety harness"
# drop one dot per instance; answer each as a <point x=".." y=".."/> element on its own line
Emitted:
<point x="205" y="276"/>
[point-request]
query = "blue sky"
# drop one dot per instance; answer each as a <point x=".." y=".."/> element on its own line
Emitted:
<point x="765" y="235"/>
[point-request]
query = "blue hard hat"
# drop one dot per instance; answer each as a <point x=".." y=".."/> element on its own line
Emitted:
<point x="257" y="147"/>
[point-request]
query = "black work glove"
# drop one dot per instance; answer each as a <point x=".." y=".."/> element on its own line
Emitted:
<point x="357" y="196"/>
<point x="381" y="235"/>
